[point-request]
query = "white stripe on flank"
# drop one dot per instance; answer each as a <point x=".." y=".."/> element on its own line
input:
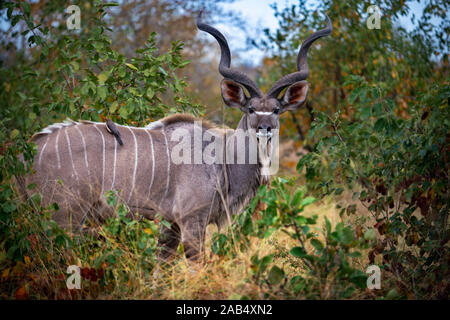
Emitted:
<point x="85" y="150"/>
<point x="135" y="164"/>
<point x="168" y="167"/>
<point x="263" y="113"/>
<point x="57" y="150"/>
<point x="103" y="174"/>
<point x="114" y="168"/>
<point x="42" y="151"/>
<point x="70" y="154"/>
<point x="153" y="163"/>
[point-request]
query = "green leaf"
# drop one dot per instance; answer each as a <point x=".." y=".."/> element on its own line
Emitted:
<point x="166" y="223"/>
<point x="298" y="252"/>
<point x="26" y="8"/>
<point x="124" y="111"/>
<point x="102" y="77"/>
<point x="307" y="201"/>
<point x="347" y="236"/>
<point x="150" y="93"/>
<point x="101" y="92"/>
<point x="327" y="225"/>
<point x="110" y="4"/>
<point x="355" y="254"/>
<point x="129" y="65"/>
<point x="370" y="234"/>
<point x="354" y="95"/>
<point x="392" y="294"/>
<point x="297" y="198"/>
<point x="317" y="244"/>
<point x="75" y="66"/>
<point x="15" y="19"/>
<point x="300" y="220"/>
<point x="113" y="107"/>
<point x="276" y="275"/>
<point x="8" y="207"/>
<point x="14" y="134"/>
<point x="163" y="71"/>
<point x="264" y="263"/>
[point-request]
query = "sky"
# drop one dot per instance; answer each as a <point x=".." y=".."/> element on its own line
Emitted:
<point x="259" y="14"/>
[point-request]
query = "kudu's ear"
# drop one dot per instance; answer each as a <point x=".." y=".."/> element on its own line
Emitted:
<point x="233" y="94"/>
<point x="294" y="96"/>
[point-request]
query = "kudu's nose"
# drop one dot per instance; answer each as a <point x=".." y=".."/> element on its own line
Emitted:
<point x="264" y="127"/>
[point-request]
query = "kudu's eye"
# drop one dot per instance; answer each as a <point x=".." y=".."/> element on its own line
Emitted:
<point x="276" y="111"/>
<point x="251" y="110"/>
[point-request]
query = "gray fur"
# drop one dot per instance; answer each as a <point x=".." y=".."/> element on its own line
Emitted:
<point x="189" y="196"/>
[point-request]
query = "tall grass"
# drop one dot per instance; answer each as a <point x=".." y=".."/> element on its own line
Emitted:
<point x="117" y="261"/>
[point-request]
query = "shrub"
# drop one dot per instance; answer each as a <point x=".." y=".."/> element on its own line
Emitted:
<point x="323" y="258"/>
<point x="73" y="74"/>
<point x="397" y="166"/>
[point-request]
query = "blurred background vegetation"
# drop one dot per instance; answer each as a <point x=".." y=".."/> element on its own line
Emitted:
<point x="364" y="164"/>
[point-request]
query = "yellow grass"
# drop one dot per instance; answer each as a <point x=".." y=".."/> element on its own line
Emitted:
<point x="221" y="277"/>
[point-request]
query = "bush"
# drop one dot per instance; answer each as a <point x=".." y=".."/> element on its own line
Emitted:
<point x="324" y="259"/>
<point x="74" y="74"/>
<point x="397" y="166"/>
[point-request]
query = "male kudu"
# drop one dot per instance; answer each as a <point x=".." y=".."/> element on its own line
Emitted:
<point x="77" y="162"/>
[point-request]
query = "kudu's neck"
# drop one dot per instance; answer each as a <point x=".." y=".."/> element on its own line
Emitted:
<point x="243" y="179"/>
<point x="243" y="123"/>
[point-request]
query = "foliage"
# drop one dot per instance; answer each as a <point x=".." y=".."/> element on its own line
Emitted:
<point x="379" y="117"/>
<point x="398" y="169"/>
<point x="378" y="112"/>
<point x="403" y="60"/>
<point x="73" y="74"/>
<point x="323" y="258"/>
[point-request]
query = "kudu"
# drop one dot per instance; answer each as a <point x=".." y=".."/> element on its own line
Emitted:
<point x="77" y="162"/>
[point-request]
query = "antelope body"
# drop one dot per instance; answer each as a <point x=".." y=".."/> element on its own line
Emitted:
<point x="77" y="162"/>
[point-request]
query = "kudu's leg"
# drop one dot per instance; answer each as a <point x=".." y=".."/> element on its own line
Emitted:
<point x="168" y="242"/>
<point x="193" y="232"/>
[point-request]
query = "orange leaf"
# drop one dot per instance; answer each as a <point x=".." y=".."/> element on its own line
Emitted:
<point x="291" y="164"/>
<point x="5" y="273"/>
<point x="21" y="294"/>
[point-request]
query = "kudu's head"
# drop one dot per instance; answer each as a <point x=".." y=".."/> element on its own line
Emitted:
<point x="263" y="110"/>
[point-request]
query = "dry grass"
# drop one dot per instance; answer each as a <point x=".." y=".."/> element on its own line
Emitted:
<point x="219" y="278"/>
<point x="224" y="277"/>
